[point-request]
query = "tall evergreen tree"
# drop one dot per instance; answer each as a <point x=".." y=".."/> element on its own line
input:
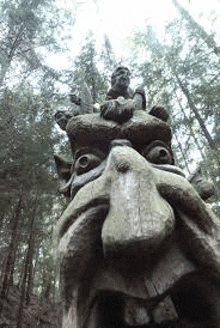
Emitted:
<point x="195" y="27"/>
<point x="86" y="70"/>
<point x="28" y="27"/>
<point x="29" y="175"/>
<point x="179" y="74"/>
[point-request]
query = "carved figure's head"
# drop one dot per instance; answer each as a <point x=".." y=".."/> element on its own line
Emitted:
<point x="138" y="246"/>
<point x="120" y="78"/>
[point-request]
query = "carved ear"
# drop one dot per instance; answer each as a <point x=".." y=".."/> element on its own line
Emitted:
<point x="159" y="112"/>
<point x="63" y="167"/>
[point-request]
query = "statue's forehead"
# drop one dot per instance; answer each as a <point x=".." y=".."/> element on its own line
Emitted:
<point x="89" y="130"/>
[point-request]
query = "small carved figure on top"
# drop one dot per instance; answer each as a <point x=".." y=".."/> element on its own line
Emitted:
<point x="121" y="100"/>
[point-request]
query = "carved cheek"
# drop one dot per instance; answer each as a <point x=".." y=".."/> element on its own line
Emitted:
<point x="138" y="218"/>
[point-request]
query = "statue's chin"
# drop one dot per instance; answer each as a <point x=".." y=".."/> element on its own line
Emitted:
<point x="124" y="301"/>
<point x="187" y="301"/>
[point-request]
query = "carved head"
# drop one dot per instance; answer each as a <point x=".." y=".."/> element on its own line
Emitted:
<point x="138" y="246"/>
<point x="120" y="78"/>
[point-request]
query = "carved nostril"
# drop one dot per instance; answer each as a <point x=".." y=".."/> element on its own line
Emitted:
<point x="122" y="167"/>
<point x="120" y="142"/>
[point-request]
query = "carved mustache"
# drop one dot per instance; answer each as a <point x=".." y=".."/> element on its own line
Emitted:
<point x="198" y="224"/>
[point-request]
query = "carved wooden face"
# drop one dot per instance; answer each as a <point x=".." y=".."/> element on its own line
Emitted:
<point x="121" y="78"/>
<point x="138" y="246"/>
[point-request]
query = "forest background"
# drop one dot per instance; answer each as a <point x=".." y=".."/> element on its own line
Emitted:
<point x="176" y="58"/>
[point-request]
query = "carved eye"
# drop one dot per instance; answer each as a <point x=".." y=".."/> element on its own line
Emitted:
<point x="86" y="162"/>
<point x="159" y="155"/>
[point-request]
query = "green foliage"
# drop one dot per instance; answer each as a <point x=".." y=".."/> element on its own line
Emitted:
<point x="25" y="134"/>
<point x="86" y="70"/>
<point x="29" y="199"/>
<point x="28" y="32"/>
<point x="182" y="74"/>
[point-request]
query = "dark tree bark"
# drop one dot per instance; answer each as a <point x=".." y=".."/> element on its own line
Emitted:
<point x="9" y="265"/>
<point x="23" y="286"/>
<point x="30" y="272"/>
<point x="28" y="269"/>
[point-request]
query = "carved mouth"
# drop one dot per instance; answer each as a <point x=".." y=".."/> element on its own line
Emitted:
<point x="185" y="304"/>
<point x="112" y="302"/>
<point x="172" y="295"/>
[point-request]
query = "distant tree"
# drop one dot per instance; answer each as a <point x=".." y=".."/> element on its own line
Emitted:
<point x="28" y="172"/>
<point x="86" y="70"/>
<point x="108" y="54"/>
<point x="195" y="27"/>
<point x="183" y="75"/>
<point x="27" y="27"/>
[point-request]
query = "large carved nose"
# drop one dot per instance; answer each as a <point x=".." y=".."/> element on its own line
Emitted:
<point x="139" y="219"/>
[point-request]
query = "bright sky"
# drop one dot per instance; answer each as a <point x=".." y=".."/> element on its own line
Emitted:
<point x="116" y="18"/>
<point x="119" y="18"/>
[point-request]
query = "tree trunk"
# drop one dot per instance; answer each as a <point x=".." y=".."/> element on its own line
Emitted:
<point x="199" y="118"/>
<point x="27" y="270"/>
<point x="195" y="26"/>
<point x="182" y="152"/>
<point x="111" y="61"/>
<point x="159" y="49"/>
<point x="208" y="168"/>
<point x="190" y="129"/>
<point x="30" y="273"/>
<point x="14" y="46"/>
<point x="94" y="93"/>
<point x="23" y="288"/>
<point x="9" y="266"/>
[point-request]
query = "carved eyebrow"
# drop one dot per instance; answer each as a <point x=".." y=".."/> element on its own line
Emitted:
<point x="82" y="151"/>
<point x="88" y="150"/>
